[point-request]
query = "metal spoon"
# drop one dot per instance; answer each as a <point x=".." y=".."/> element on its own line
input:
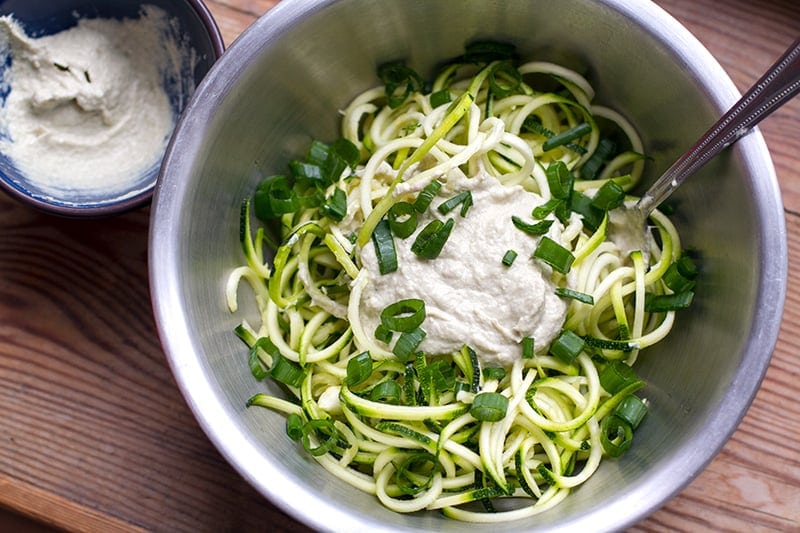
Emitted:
<point x="777" y="86"/>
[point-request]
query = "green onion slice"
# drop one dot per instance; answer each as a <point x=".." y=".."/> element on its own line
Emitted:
<point x="659" y="303"/>
<point x="386" y="392"/>
<point x="605" y="149"/>
<point x="286" y="371"/>
<point x="407" y="344"/>
<point x="325" y="431"/>
<point x="509" y="257"/>
<point x="384" y="247"/>
<point x="560" y="180"/>
<point x="632" y="410"/>
<point x="567" y="346"/>
<point x="609" y="196"/>
<point x="317" y="153"/>
<point x="359" y="369"/>
<point x="489" y="406"/>
<point x="616" y="376"/>
<point x="400" y="81"/>
<point x="567" y="136"/>
<point x="680" y="276"/>
<point x="440" y="97"/>
<point x="294" y="426"/>
<point x="575" y="295"/>
<point x="347" y="151"/>
<point x="302" y="171"/>
<point x="383" y="334"/>
<point x="336" y="206"/>
<point x="494" y="372"/>
<point x="616" y="435"/>
<point x="426" y="196"/>
<point x="402" y="219"/>
<point x="582" y="204"/>
<point x="527" y="347"/>
<point x="274" y="197"/>
<point x="462" y="198"/>
<point x="546" y="208"/>
<point x="504" y="79"/>
<point x="404" y="315"/>
<point x="431" y="239"/>
<point x="554" y="255"/>
<point x="539" y="228"/>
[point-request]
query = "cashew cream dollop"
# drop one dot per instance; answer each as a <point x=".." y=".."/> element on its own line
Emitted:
<point x="470" y="296"/>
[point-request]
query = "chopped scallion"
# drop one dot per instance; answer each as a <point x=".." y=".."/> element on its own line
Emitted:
<point x="426" y="196"/>
<point x="400" y="81"/>
<point x="407" y="344"/>
<point x="603" y="152"/>
<point x="567" y="136"/>
<point x="527" y="348"/>
<point x="336" y="206"/>
<point x="294" y="426"/>
<point x="680" y="276"/>
<point x="560" y="180"/>
<point x="660" y="303"/>
<point x="489" y="406"/>
<point x="539" y="228"/>
<point x="462" y="198"/>
<point x="582" y="204"/>
<point x="546" y="208"/>
<point x="403" y="315"/>
<point x="383" y="334"/>
<point x="609" y="196"/>
<point x="632" y="410"/>
<point x="384" y="247"/>
<point x="324" y="431"/>
<point x="575" y="295"/>
<point x="554" y="255"/>
<point x="494" y="372"/>
<point x="509" y="257"/>
<point x="616" y="435"/>
<point x="431" y="239"/>
<point x="402" y="219"/>
<point x="616" y="376"/>
<point x="359" y="369"/>
<point x="440" y="98"/>
<point x="274" y="197"/>
<point x="286" y="371"/>
<point x="567" y="346"/>
<point x="302" y="171"/>
<point x="386" y="392"/>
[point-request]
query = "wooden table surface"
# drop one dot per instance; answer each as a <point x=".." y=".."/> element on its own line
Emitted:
<point x="95" y="436"/>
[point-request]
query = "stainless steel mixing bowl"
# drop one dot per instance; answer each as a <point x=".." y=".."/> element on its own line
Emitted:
<point x="281" y="84"/>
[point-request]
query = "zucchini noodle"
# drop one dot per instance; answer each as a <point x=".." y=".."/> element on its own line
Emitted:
<point x="479" y="439"/>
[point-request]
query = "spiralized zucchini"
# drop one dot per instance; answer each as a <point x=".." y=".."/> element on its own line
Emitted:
<point x="436" y="431"/>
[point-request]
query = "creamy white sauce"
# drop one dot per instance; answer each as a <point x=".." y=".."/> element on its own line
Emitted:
<point x="87" y="111"/>
<point x="470" y="296"/>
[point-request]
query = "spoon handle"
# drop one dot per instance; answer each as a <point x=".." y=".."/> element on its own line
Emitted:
<point x="778" y="85"/>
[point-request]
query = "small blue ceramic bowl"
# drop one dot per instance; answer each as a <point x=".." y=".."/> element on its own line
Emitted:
<point x="193" y="26"/>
